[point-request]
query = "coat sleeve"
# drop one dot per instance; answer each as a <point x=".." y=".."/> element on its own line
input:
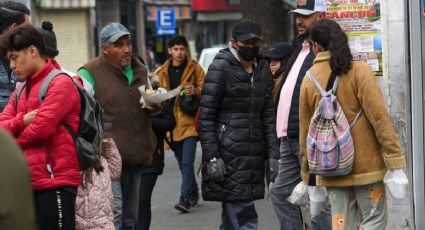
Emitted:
<point x="305" y="114"/>
<point x="10" y="119"/>
<point x="113" y="157"/>
<point x="61" y="97"/>
<point x="268" y="119"/>
<point x="200" y="78"/>
<point x="212" y="92"/>
<point x="373" y="103"/>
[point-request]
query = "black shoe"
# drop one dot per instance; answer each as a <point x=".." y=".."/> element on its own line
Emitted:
<point x="194" y="199"/>
<point x="182" y="206"/>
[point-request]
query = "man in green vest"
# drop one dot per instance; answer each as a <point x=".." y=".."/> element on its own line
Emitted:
<point x="16" y="198"/>
<point x="115" y="76"/>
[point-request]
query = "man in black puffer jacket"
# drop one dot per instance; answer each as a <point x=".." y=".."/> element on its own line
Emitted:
<point x="237" y="128"/>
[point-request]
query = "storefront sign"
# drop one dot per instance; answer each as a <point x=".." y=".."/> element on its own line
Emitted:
<point x="361" y="20"/>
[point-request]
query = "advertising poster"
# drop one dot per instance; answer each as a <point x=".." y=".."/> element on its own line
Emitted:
<point x="361" y="20"/>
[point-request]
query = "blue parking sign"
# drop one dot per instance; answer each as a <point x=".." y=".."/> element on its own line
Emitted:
<point x="166" y="21"/>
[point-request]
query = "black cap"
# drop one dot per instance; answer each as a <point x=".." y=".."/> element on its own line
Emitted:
<point x="308" y="7"/>
<point x="246" y="29"/>
<point x="49" y="38"/>
<point x="279" y="50"/>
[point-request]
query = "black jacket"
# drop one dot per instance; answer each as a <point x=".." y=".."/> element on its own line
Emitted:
<point x="161" y="124"/>
<point x="294" y="121"/>
<point x="237" y="123"/>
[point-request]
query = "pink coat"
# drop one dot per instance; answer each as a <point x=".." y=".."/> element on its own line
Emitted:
<point x="95" y="201"/>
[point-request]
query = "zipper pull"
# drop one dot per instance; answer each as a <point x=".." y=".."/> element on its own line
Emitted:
<point x="222" y="129"/>
<point x="49" y="168"/>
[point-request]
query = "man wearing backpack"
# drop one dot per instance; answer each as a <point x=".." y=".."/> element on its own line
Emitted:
<point x="115" y="76"/>
<point x="182" y="70"/>
<point x="39" y="128"/>
<point x="287" y="120"/>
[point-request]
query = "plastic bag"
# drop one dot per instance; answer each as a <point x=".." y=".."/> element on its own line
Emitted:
<point x="396" y="182"/>
<point x="317" y="197"/>
<point x="299" y="195"/>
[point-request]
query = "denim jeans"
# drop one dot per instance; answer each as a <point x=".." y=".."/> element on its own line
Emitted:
<point x="185" y="152"/>
<point x="288" y="214"/>
<point x="129" y="186"/>
<point x="116" y="190"/>
<point x="238" y="215"/>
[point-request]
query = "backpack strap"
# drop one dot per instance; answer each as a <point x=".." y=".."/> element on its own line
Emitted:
<point x="319" y="88"/>
<point x="317" y="85"/>
<point x="356" y="118"/>
<point x="43" y="91"/>
<point x="18" y="93"/>
<point x="45" y="85"/>
<point x="335" y="86"/>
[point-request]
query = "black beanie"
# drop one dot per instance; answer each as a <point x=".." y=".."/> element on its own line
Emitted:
<point x="49" y="38"/>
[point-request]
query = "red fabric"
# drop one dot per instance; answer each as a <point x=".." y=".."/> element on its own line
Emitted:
<point x="45" y="140"/>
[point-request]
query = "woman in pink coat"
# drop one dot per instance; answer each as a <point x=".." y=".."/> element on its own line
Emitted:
<point x="95" y="201"/>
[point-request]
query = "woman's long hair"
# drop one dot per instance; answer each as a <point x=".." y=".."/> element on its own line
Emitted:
<point x="329" y="35"/>
<point x="282" y="69"/>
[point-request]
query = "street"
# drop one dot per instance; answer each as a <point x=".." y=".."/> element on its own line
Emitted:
<point x="205" y="216"/>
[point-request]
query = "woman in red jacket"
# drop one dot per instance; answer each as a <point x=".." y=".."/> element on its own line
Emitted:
<point x="38" y="128"/>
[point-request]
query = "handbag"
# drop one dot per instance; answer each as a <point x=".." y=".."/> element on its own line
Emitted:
<point x="189" y="106"/>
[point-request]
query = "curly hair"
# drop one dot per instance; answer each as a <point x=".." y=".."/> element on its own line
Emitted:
<point x="329" y="35"/>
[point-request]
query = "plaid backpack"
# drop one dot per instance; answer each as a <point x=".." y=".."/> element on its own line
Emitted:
<point x="330" y="149"/>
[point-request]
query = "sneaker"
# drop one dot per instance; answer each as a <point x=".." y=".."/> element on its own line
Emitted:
<point x="194" y="199"/>
<point x="182" y="206"/>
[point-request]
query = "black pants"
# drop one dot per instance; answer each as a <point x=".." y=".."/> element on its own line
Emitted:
<point x="55" y="208"/>
<point x="145" y="194"/>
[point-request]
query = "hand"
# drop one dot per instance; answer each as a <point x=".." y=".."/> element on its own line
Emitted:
<point x="29" y="117"/>
<point x="216" y="169"/>
<point x="272" y="169"/>
<point x="189" y="90"/>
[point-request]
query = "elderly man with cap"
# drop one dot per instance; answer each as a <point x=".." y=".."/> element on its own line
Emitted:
<point x="307" y="13"/>
<point x="237" y="128"/>
<point x="115" y="76"/>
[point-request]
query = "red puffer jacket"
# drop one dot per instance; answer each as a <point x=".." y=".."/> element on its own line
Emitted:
<point x="45" y="140"/>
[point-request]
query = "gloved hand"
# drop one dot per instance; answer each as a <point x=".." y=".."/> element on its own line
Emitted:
<point x="216" y="169"/>
<point x="272" y="169"/>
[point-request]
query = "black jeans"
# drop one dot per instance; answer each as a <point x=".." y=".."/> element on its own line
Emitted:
<point x="55" y="208"/>
<point x="145" y="194"/>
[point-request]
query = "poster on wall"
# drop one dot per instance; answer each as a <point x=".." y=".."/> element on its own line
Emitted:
<point x="361" y="20"/>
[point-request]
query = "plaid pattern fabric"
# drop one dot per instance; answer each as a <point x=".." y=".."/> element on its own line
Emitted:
<point x="330" y="149"/>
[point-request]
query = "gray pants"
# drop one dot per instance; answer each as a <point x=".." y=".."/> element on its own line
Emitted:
<point x="290" y="215"/>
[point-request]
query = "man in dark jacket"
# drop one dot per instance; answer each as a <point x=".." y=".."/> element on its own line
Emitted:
<point x="237" y="128"/>
<point x="12" y="14"/>
<point x="287" y="119"/>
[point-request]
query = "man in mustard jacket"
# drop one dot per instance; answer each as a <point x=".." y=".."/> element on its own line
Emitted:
<point x="182" y="70"/>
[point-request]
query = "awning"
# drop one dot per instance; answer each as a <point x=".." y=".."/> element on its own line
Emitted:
<point x="62" y="4"/>
<point x="219" y="16"/>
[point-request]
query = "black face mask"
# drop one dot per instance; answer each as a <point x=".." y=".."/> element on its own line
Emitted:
<point x="248" y="53"/>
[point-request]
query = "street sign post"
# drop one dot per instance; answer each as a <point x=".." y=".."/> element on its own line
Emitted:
<point x="166" y="22"/>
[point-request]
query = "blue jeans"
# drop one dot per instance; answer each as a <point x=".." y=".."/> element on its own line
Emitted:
<point x="129" y="186"/>
<point x="238" y="215"/>
<point x="185" y="152"/>
<point x="116" y="190"/>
